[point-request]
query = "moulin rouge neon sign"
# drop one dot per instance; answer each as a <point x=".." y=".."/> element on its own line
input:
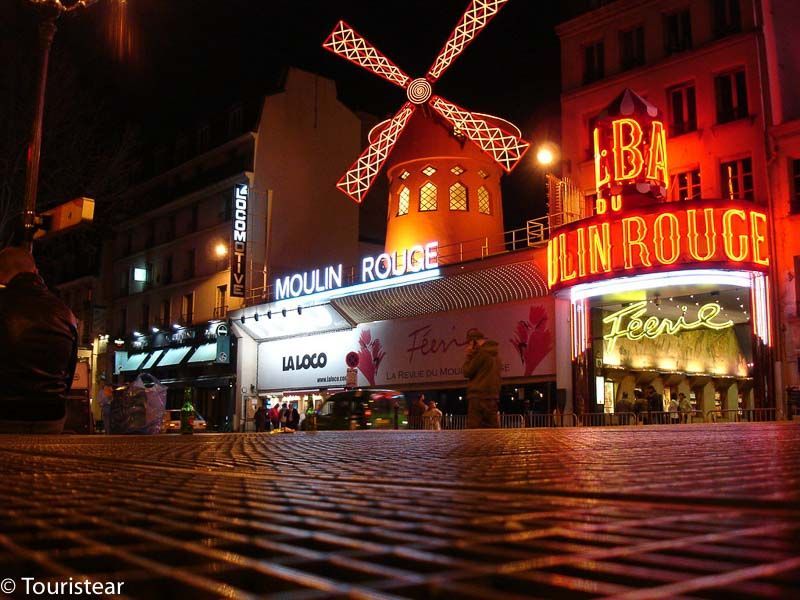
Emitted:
<point x="630" y="323"/>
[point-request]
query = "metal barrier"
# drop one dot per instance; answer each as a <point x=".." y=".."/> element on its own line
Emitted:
<point x="512" y="421"/>
<point x="608" y="419"/>
<point x="551" y="420"/>
<point x="741" y="415"/>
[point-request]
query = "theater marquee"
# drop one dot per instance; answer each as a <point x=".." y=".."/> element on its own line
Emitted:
<point x="662" y="237"/>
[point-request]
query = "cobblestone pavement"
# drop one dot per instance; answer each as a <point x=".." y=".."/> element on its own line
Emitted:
<point x="698" y="511"/>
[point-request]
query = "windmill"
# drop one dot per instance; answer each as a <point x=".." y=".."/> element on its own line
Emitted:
<point x="502" y="143"/>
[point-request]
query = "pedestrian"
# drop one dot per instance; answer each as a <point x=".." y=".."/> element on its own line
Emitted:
<point x="655" y="404"/>
<point x="418" y="408"/>
<point x="260" y="418"/>
<point x="432" y="417"/>
<point x="275" y="416"/>
<point x="285" y="416"/>
<point x="482" y="370"/>
<point x="293" y="418"/>
<point x="685" y="407"/>
<point x="673" y="409"/>
<point x="38" y="349"/>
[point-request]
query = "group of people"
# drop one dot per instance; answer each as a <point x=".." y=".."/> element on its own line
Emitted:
<point x="644" y="405"/>
<point x="279" y="416"/>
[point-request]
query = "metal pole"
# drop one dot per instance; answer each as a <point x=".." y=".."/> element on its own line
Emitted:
<point x="47" y="29"/>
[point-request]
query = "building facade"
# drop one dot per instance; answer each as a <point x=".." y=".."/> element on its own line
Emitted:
<point x="721" y="70"/>
<point x="247" y="193"/>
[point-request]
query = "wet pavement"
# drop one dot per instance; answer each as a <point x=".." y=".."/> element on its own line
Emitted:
<point x="697" y="511"/>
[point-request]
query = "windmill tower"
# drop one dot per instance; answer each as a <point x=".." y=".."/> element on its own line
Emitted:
<point x="446" y="162"/>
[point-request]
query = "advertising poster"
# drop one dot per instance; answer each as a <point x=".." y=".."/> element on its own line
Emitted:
<point x="411" y="351"/>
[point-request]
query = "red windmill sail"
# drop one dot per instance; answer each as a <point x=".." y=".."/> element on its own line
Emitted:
<point x="505" y="147"/>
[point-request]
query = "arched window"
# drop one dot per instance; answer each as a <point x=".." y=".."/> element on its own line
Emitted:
<point x="403" y="199"/>
<point x="427" y="197"/>
<point x="458" y="196"/>
<point x="484" y="206"/>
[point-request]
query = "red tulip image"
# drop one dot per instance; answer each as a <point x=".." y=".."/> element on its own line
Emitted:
<point x="370" y="355"/>
<point x="533" y="339"/>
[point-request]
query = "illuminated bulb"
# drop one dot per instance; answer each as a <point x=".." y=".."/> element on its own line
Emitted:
<point x="545" y="156"/>
<point x="221" y="250"/>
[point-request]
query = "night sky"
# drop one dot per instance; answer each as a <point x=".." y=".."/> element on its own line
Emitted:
<point x="192" y="57"/>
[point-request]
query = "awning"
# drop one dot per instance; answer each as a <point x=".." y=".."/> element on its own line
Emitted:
<point x="204" y="353"/>
<point x="151" y="360"/>
<point x="134" y="361"/>
<point x="174" y="356"/>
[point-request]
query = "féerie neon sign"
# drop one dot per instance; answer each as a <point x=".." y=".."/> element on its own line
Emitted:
<point x="630" y="323"/>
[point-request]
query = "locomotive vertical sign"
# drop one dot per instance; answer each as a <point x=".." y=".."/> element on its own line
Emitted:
<point x="241" y="195"/>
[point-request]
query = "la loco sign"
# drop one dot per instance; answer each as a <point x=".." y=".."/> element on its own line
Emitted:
<point x="660" y="238"/>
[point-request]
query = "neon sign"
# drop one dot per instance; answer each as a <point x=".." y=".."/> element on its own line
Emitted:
<point x="239" y="253"/>
<point x="733" y="234"/>
<point x="373" y="268"/>
<point x="629" y="323"/>
<point x="630" y="152"/>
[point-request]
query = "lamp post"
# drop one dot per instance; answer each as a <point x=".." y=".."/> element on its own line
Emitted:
<point x="49" y="11"/>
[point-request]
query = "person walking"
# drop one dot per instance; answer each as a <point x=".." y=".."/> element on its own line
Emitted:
<point x="655" y="404"/>
<point x="275" y="416"/>
<point x="260" y="417"/>
<point x="685" y="407"/>
<point x="673" y="409"/>
<point x="432" y="417"/>
<point x="38" y="349"/>
<point x="418" y="408"/>
<point x="482" y="370"/>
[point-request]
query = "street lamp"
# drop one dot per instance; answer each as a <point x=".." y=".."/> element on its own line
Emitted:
<point x="221" y="250"/>
<point x="49" y="11"/>
<point x="547" y="154"/>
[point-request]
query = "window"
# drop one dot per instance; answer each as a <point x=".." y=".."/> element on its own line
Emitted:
<point x="227" y="208"/>
<point x="727" y="17"/>
<point x="429" y="170"/>
<point x="181" y="150"/>
<point x="193" y="219"/>
<point x="235" y="120"/>
<point x="631" y="48"/>
<point x="794" y="204"/>
<point x="677" y="32"/>
<point x="187" y="309"/>
<point x="166" y="271"/>
<point x="685" y="186"/>
<point x="165" y="317"/>
<point x="403" y="200"/>
<point x="683" y="111"/>
<point x="731" y="90"/>
<point x="145" y="324"/>
<point x="128" y="242"/>
<point x="404" y="175"/>
<point x="427" y="198"/>
<point x="589" y="204"/>
<point x="190" y="263"/>
<point x="458" y="196"/>
<point x="737" y="179"/>
<point x="151" y="234"/>
<point x="221" y="303"/>
<point x="203" y="137"/>
<point x="593" y="62"/>
<point x="483" y="174"/>
<point x="457" y="170"/>
<point x="123" y="322"/>
<point x="484" y="205"/>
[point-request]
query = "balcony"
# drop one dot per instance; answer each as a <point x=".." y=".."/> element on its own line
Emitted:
<point x="220" y="312"/>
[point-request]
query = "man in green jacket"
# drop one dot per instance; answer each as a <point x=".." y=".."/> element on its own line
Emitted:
<point x="482" y="369"/>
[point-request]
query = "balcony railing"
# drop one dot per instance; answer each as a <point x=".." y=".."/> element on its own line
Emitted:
<point x="220" y="312"/>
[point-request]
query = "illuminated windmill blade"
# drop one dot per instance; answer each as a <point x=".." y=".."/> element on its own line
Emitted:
<point x="504" y="147"/>
<point x="358" y="179"/>
<point x="348" y="43"/>
<point x="475" y="18"/>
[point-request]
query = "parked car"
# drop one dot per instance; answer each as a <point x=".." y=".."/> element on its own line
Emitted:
<point x="360" y="409"/>
<point x="172" y="421"/>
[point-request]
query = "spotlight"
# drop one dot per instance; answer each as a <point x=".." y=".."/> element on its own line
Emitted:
<point x="269" y="314"/>
<point x="137" y="334"/>
<point x="283" y="312"/>
<point x="176" y="326"/>
<point x="155" y="330"/>
<point x="299" y="310"/>
<point x="255" y="316"/>
<point x="242" y="319"/>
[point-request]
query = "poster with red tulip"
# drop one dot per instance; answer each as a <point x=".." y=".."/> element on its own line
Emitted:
<point x="411" y="351"/>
